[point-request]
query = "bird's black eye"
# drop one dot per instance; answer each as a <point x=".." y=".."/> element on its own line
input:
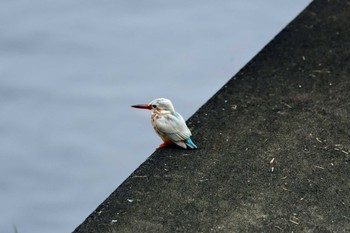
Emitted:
<point x="154" y="106"/>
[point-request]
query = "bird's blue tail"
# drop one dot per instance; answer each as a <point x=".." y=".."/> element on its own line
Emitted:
<point x="190" y="144"/>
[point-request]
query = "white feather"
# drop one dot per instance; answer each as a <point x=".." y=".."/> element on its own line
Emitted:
<point x="172" y="126"/>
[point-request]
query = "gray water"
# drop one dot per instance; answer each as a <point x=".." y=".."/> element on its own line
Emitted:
<point x="69" y="70"/>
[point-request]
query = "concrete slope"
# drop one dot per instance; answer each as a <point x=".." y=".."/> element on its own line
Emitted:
<point x="274" y="146"/>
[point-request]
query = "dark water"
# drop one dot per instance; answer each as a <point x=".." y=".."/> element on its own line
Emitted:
<point x="69" y="70"/>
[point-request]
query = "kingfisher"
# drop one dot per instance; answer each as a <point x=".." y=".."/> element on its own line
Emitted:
<point x="168" y="124"/>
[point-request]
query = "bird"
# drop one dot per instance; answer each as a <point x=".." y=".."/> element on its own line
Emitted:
<point x="168" y="124"/>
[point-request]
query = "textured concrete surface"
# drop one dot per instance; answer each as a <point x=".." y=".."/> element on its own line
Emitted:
<point x="274" y="146"/>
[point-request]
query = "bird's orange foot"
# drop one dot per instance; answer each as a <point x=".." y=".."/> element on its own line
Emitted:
<point x="163" y="145"/>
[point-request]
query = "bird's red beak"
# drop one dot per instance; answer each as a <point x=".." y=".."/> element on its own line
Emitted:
<point x="144" y="106"/>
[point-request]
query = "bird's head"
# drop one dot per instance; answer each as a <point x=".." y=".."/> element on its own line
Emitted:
<point x="160" y="105"/>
